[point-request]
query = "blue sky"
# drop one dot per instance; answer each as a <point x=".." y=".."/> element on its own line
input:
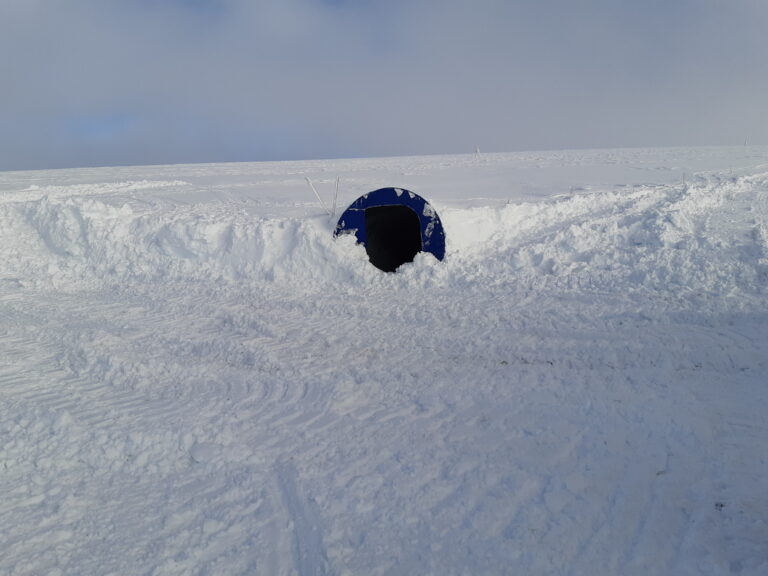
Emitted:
<point x="115" y="82"/>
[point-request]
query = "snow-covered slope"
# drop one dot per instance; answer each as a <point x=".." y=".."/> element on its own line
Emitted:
<point x="195" y="378"/>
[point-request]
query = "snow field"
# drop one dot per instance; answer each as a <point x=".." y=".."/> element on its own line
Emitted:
<point x="196" y="379"/>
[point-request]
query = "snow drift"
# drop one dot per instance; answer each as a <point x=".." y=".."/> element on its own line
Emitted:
<point x="660" y="235"/>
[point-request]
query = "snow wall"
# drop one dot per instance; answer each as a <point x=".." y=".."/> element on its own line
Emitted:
<point x="118" y="231"/>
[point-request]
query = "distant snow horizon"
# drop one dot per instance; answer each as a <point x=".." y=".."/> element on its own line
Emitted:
<point x="477" y="151"/>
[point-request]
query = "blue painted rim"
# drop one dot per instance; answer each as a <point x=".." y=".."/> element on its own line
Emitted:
<point x="352" y="221"/>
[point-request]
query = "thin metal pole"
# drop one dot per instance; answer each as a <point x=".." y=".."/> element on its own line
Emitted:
<point x="335" y="197"/>
<point x="318" y="195"/>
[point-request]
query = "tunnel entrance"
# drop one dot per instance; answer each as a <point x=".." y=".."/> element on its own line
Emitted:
<point x="394" y="225"/>
<point x="393" y="236"/>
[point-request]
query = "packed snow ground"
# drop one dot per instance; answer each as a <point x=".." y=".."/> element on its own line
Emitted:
<point x="195" y="378"/>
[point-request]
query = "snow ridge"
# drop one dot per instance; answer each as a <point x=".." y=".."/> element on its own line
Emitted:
<point x="657" y="236"/>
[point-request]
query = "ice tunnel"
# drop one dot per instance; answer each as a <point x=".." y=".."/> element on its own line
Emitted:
<point x="394" y="225"/>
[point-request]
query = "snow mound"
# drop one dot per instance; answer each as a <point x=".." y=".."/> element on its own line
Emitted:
<point x="71" y="241"/>
<point x="711" y="234"/>
<point x="655" y="236"/>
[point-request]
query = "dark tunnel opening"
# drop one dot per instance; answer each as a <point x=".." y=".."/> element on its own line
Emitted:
<point x="393" y="236"/>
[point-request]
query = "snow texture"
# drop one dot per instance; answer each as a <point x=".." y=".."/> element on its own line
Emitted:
<point x="195" y="378"/>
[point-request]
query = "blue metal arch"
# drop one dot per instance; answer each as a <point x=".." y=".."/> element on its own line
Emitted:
<point x="352" y="221"/>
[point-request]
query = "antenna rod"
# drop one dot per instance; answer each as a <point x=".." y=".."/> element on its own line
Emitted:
<point x="335" y="196"/>
<point x="318" y="195"/>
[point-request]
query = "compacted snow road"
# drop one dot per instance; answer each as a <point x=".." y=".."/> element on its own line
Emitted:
<point x="195" y="378"/>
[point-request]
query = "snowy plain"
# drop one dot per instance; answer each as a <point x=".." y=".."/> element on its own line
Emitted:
<point x="196" y="378"/>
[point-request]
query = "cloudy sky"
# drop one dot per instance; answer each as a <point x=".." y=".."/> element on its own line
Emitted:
<point x="115" y="82"/>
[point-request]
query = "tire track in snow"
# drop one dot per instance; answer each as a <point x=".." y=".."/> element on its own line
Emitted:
<point x="310" y="557"/>
<point x="111" y="369"/>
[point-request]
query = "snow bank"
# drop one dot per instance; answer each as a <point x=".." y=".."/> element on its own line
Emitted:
<point x="654" y="236"/>
<point x="78" y="240"/>
<point x="686" y="236"/>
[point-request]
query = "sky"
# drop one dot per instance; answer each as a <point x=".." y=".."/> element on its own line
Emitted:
<point x="126" y="82"/>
